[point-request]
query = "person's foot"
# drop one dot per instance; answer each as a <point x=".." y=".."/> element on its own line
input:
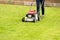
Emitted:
<point x="38" y="18"/>
<point x="43" y="15"/>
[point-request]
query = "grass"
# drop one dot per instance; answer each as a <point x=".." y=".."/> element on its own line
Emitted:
<point x="12" y="28"/>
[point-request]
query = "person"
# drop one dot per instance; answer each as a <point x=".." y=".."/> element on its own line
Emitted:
<point x="38" y="4"/>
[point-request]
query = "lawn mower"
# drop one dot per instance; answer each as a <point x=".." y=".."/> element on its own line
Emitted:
<point x="31" y="16"/>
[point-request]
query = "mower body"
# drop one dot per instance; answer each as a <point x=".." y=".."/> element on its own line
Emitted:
<point x="31" y="16"/>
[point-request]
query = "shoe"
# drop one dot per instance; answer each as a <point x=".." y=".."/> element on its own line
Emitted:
<point x="38" y="18"/>
<point x="43" y="15"/>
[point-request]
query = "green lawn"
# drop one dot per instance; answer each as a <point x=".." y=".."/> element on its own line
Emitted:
<point x="12" y="28"/>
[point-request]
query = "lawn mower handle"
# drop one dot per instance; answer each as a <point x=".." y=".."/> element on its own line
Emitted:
<point x="31" y="4"/>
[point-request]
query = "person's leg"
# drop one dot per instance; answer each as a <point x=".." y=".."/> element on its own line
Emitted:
<point x="38" y="8"/>
<point x="42" y="7"/>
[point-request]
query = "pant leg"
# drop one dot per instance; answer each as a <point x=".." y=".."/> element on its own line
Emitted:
<point x="38" y="7"/>
<point x="42" y="6"/>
